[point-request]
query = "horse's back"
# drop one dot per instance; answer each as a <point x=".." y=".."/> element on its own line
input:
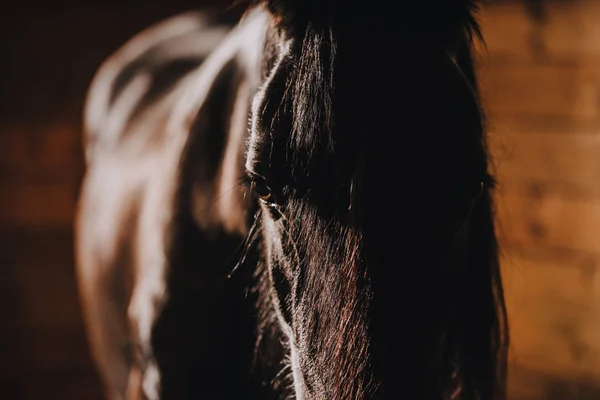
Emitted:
<point x="131" y="178"/>
<point x="130" y="101"/>
<point x="144" y="72"/>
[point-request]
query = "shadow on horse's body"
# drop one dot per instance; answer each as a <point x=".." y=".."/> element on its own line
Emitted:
<point x="156" y="212"/>
<point x="163" y="218"/>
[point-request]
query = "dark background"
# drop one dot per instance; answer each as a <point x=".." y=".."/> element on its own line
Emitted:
<point x="49" y="53"/>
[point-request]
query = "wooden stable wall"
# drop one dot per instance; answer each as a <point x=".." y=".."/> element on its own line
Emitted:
<point x="49" y="53"/>
<point x="541" y="85"/>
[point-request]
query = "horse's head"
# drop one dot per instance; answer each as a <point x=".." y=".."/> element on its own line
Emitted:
<point x="367" y="157"/>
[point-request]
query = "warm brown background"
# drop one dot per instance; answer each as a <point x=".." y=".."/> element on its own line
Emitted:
<point x="541" y="82"/>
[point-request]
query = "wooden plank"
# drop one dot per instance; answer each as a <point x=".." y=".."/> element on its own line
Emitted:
<point x="62" y="383"/>
<point x="551" y="124"/>
<point x="41" y="269"/>
<point x="37" y="153"/>
<point x="549" y="190"/>
<point x="528" y="384"/>
<point x="37" y="205"/>
<point x="532" y="158"/>
<point x="553" y="307"/>
<point x="49" y="298"/>
<point x="51" y="351"/>
<point x="542" y="219"/>
<point x="502" y="44"/>
<point x="60" y="347"/>
<point x="541" y="90"/>
<point x="569" y="33"/>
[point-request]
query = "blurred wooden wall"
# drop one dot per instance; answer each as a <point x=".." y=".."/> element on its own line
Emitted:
<point x="541" y="84"/>
<point x="50" y="52"/>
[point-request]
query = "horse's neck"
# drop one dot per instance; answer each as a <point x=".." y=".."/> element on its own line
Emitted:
<point x="214" y="109"/>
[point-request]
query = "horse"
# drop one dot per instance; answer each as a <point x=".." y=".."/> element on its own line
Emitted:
<point x="295" y="202"/>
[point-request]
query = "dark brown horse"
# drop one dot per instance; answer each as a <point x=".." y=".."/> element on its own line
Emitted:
<point x="339" y="246"/>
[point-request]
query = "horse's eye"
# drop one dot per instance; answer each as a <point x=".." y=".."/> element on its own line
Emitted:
<point x="261" y="190"/>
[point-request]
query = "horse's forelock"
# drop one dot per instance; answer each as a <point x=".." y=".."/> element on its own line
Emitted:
<point x="312" y="90"/>
<point x="312" y="60"/>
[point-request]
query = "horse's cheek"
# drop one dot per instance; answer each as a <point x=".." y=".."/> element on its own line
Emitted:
<point x="271" y="238"/>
